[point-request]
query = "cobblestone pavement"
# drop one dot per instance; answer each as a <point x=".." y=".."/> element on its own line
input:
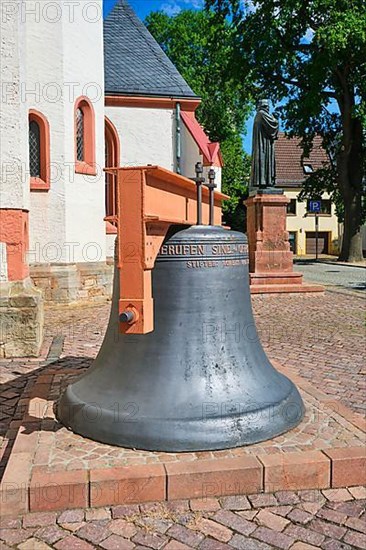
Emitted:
<point x="321" y="337"/>
<point x="336" y="275"/>
<point x="332" y="519"/>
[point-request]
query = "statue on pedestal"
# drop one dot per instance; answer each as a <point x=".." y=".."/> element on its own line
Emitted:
<point x="265" y="132"/>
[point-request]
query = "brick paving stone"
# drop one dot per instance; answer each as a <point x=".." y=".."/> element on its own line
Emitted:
<point x="303" y="546"/>
<point x="279" y="510"/>
<point x="244" y="543"/>
<point x="358" y="492"/>
<point x="332" y="544"/>
<point x="248" y="514"/>
<point x="114" y="542"/>
<point x="210" y="544"/>
<point x="353" y="509"/>
<point x="71" y="516"/>
<point x="234" y="522"/>
<point x="262" y="500"/>
<point x="337" y="495"/>
<point x="272" y="521"/>
<point x="332" y="515"/>
<point x="122" y="528"/>
<point x="33" y="544"/>
<point x="213" y="529"/>
<point x="123" y="511"/>
<point x="305" y="535"/>
<point x="185" y="535"/>
<point x="15" y="536"/>
<point x="178" y="506"/>
<point x="235" y="503"/>
<point x="327" y="529"/>
<point x="279" y="540"/>
<point x="97" y="514"/>
<point x="287" y="497"/>
<point x="175" y="545"/>
<point x="93" y="532"/>
<point x="311" y="507"/>
<point x="73" y="527"/>
<point x="205" y="505"/>
<point x="299" y="516"/>
<point x="39" y="519"/>
<point x="50" y="534"/>
<point x="73" y="543"/>
<point x="357" y="524"/>
<point x="355" y="539"/>
<point x="150" y="540"/>
<point x="10" y="523"/>
<point x="156" y="524"/>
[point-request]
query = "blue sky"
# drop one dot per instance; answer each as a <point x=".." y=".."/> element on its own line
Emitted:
<point x="143" y="7"/>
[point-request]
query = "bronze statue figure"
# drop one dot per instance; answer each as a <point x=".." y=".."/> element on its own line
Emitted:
<point x="265" y="132"/>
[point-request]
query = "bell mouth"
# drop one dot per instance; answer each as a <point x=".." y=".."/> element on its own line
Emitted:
<point x="209" y="432"/>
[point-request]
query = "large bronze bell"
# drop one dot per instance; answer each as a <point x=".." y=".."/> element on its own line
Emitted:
<point x="200" y="380"/>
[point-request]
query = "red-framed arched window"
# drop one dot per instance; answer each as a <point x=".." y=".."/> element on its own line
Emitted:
<point x="112" y="160"/>
<point x="84" y="137"/>
<point x="39" y="151"/>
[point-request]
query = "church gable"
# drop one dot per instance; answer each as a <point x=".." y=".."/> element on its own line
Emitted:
<point x="134" y="62"/>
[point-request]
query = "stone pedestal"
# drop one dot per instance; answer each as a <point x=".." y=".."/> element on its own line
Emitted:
<point x="270" y="257"/>
<point x="21" y="319"/>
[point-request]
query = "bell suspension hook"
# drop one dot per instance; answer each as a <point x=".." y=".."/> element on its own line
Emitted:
<point x="211" y="187"/>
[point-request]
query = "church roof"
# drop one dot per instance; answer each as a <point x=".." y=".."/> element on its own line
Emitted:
<point x="134" y="62"/>
<point x="291" y="168"/>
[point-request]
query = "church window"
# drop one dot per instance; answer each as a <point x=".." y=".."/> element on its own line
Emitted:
<point x="34" y="149"/>
<point x="84" y="137"/>
<point x="80" y="135"/>
<point x="112" y="160"/>
<point x="39" y="151"/>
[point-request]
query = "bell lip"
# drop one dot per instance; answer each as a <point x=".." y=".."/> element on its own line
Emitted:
<point x="191" y="443"/>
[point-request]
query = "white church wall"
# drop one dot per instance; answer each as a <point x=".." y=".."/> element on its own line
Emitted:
<point x="85" y="194"/>
<point x="13" y="112"/>
<point x="44" y="91"/>
<point x="146" y="136"/>
<point x="65" y="61"/>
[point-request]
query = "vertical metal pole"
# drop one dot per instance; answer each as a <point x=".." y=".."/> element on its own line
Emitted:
<point x="212" y="206"/>
<point x="178" y="138"/>
<point x="199" y="179"/>
<point x="199" y="203"/>
<point x="316" y="235"/>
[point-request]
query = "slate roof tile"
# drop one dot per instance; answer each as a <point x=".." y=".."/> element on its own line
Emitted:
<point x="134" y="62"/>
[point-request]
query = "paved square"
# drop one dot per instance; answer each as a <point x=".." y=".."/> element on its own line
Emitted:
<point x="316" y="340"/>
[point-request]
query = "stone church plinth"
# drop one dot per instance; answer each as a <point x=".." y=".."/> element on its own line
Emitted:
<point x="270" y="256"/>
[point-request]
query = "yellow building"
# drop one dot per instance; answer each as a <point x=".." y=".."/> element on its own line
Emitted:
<point x="292" y="170"/>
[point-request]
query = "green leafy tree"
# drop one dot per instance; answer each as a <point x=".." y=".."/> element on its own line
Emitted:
<point x="200" y="44"/>
<point x="310" y="56"/>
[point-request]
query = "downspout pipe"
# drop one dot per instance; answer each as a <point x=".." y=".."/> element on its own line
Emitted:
<point x="178" y="138"/>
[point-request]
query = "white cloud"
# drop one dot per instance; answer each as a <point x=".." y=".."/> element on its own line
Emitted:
<point x="196" y="4"/>
<point x="172" y="7"/>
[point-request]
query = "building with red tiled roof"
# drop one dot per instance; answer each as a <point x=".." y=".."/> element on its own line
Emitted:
<point x="291" y="167"/>
<point x="292" y="170"/>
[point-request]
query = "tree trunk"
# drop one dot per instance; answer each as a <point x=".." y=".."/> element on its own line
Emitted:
<point x="352" y="240"/>
<point x="350" y="176"/>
